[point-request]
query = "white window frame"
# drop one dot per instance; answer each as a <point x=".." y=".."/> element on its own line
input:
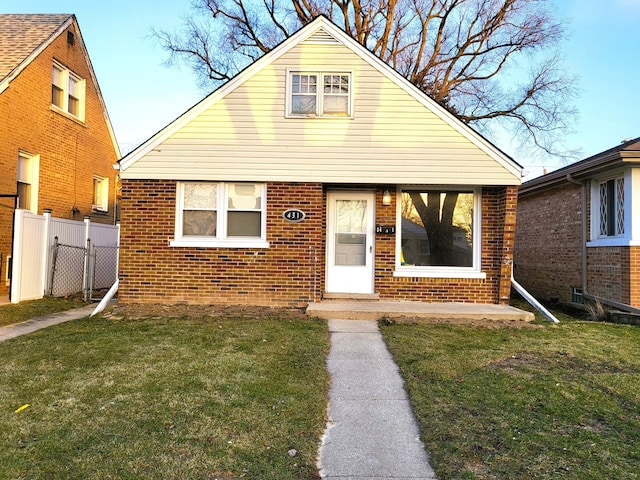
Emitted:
<point x="29" y="173"/>
<point x="101" y="198"/>
<point x="319" y="113"/>
<point x="474" y="271"/>
<point x="631" y="179"/>
<point x="66" y="76"/>
<point x="221" y="239"/>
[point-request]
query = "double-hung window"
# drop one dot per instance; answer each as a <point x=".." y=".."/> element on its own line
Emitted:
<point x="439" y="233"/>
<point x="67" y="91"/>
<point x="220" y="214"/>
<point x="27" y="185"/>
<point x="100" y="194"/>
<point x="319" y="94"/>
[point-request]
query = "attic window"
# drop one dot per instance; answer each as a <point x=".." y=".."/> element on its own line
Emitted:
<point x="71" y="39"/>
<point x="67" y="91"/>
<point x="319" y="94"/>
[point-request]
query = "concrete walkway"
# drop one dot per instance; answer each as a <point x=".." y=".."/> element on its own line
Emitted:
<point x="12" y="331"/>
<point x="372" y="432"/>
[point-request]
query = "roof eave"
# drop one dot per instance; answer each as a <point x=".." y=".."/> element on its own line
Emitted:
<point x="580" y="171"/>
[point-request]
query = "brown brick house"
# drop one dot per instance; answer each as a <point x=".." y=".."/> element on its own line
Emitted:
<point x="317" y="171"/>
<point x="577" y="234"/>
<point x="57" y="147"/>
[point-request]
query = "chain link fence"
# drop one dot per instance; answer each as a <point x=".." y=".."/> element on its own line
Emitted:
<point x="90" y="270"/>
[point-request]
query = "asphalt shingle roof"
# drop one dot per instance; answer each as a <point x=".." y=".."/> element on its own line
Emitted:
<point x="21" y="34"/>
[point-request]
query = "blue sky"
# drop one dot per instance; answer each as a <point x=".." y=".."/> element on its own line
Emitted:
<point x="143" y="95"/>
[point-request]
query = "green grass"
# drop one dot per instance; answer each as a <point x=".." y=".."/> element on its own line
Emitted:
<point x="20" y="312"/>
<point x="157" y="398"/>
<point x="520" y="403"/>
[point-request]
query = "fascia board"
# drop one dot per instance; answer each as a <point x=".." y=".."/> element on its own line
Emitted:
<point x="94" y="80"/>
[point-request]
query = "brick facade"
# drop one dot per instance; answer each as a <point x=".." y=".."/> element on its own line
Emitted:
<point x="291" y="272"/>
<point x="548" y="247"/>
<point x="548" y="251"/>
<point x="70" y="152"/>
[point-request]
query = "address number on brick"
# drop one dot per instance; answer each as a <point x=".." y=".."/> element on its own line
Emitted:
<point x="293" y="215"/>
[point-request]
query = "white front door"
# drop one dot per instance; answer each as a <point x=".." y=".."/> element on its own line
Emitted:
<point x="350" y="237"/>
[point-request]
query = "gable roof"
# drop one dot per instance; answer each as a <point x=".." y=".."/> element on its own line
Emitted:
<point x="627" y="152"/>
<point x="24" y="36"/>
<point x="323" y="31"/>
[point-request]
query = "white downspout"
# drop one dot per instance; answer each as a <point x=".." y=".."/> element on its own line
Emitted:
<point x="583" y="267"/>
<point x="103" y="303"/>
<point x="535" y="303"/>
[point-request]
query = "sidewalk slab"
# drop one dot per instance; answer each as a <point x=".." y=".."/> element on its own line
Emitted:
<point x="372" y="432"/>
<point x="12" y="331"/>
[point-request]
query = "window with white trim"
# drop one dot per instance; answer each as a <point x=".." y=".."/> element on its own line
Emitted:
<point x="439" y="230"/>
<point x="100" y="194"/>
<point x="27" y="181"/>
<point x="319" y="94"/>
<point x="220" y="214"/>
<point x="611" y="207"/>
<point x="67" y="91"/>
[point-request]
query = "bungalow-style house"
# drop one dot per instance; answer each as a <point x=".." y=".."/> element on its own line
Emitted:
<point x="578" y="231"/>
<point x="306" y="177"/>
<point x="57" y="147"/>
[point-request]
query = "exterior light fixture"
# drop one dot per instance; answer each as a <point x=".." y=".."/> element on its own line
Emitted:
<point x="386" y="198"/>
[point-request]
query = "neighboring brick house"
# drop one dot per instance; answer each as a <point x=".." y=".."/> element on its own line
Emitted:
<point x="57" y="147"/>
<point x="578" y="233"/>
<point x="308" y="176"/>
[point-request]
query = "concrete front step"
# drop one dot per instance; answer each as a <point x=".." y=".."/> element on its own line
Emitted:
<point x="376" y="310"/>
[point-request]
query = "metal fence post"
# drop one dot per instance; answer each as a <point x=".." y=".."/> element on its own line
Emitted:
<point x="54" y="257"/>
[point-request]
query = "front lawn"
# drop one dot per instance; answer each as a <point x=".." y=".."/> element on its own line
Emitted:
<point x="177" y="398"/>
<point x="20" y="312"/>
<point x="541" y="402"/>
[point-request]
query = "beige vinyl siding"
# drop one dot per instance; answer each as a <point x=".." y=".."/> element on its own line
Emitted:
<point x="392" y="137"/>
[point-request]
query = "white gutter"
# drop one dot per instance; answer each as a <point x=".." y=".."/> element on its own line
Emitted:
<point x="535" y="303"/>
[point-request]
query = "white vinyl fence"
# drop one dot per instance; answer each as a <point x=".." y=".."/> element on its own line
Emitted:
<point x="54" y="256"/>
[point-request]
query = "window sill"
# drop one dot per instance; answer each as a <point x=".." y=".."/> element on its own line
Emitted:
<point x="425" y="272"/>
<point x="319" y="117"/>
<point x="215" y="243"/>
<point x="68" y="115"/>
<point x="613" y="242"/>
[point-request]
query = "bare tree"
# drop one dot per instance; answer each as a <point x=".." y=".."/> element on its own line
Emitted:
<point x="487" y="61"/>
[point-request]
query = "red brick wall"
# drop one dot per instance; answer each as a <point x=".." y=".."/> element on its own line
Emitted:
<point x="290" y="272"/>
<point x="70" y="152"/>
<point x="607" y="273"/>
<point x="548" y="247"/>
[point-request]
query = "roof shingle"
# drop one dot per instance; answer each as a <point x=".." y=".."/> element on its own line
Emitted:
<point x="21" y="34"/>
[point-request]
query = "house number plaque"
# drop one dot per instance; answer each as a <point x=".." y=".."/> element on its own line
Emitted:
<point x="386" y="229"/>
<point x="293" y="215"/>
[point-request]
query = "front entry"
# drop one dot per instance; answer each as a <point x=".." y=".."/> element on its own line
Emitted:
<point x="350" y="242"/>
